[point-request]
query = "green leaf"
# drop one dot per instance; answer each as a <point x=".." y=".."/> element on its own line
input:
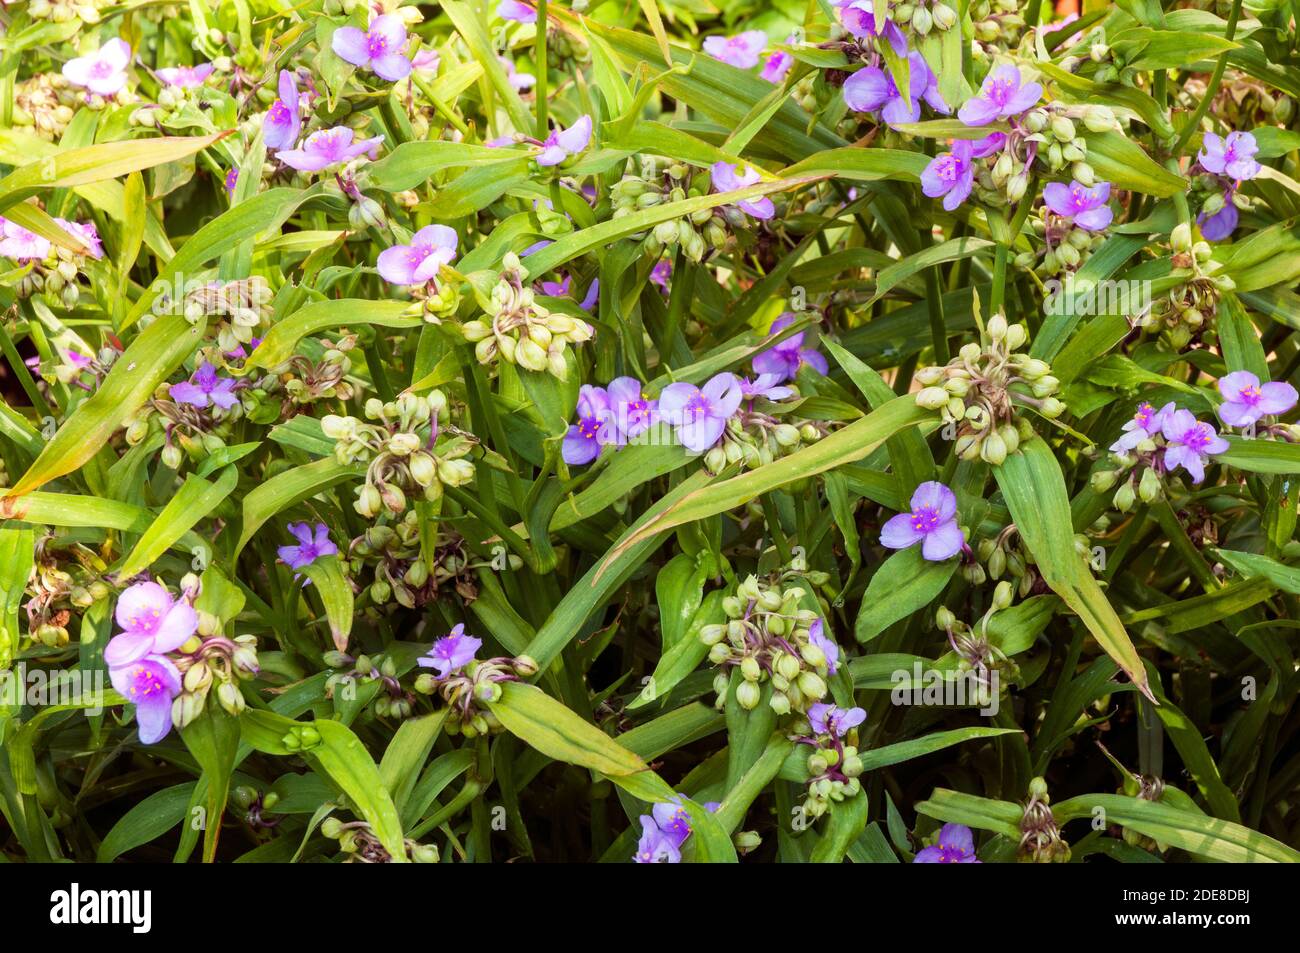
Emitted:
<point x="279" y="343"/>
<point x="193" y="501"/>
<point x="213" y="739"/>
<point x="904" y="583"/>
<point x="290" y="488"/>
<point x="326" y="574"/>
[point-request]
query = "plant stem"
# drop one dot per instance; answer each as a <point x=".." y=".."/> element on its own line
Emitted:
<point x="1204" y="105"/>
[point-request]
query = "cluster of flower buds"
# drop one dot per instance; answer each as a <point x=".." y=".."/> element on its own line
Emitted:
<point x="658" y="181"/>
<point x="242" y="308"/>
<point x="40" y="106"/>
<point x="469" y="685"/>
<point x="769" y="638"/>
<point x="210" y="663"/>
<point x="1040" y="836"/>
<point x="65" y="11"/>
<point x="978" y="391"/>
<point x="922" y="16"/>
<point x="53" y="591"/>
<point x="1065" y="248"/>
<point x="754" y="438"/>
<point x="1006" y="555"/>
<point x="976" y="653"/>
<point x="401" y="573"/>
<point x="358" y="841"/>
<point x="998" y="26"/>
<point x="391" y="699"/>
<point x="410" y="448"/>
<point x="522" y="331"/>
<point x="1054" y="128"/>
<point x="834" y="765"/>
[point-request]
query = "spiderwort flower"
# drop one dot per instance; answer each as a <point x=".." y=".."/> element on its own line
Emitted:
<point x="950" y="175"/>
<point x="1001" y="97"/>
<point x="673" y="819"/>
<point x="560" y="289"/>
<point x="741" y="51"/>
<point x="152" y="623"/>
<point x="19" y="244"/>
<point x="232" y="180"/>
<point x="785" y="358"/>
<point x="830" y="720"/>
<point x="767" y="386"/>
<point x="517" y="11"/>
<point x="1217" y="227"/>
<point x="378" y="49"/>
<point x="776" y="65"/>
<point x="419" y="262"/>
<point x="1245" y="399"/>
<point x="205" y="387"/>
<point x="454" y="650"/>
<point x="1190" y="443"/>
<point x="633" y="412"/>
<point x="729" y="178"/>
<point x="186" y="77"/>
<point x="661" y="274"/>
<point x="932" y="522"/>
<point x="518" y="81"/>
<point x="1233" y="155"/>
<point x="1085" y="207"/>
<point x="86" y="233"/>
<point x="872" y="89"/>
<point x="656" y="846"/>
<point x="310" y="545"/>
<point x="328" y="147"/>
<point x="817" y="636"/>
<point x="700" y="414"/>
<point x="956" y="846"/>
<point x="282" y="122"/>
<point x="563" y="143"/>
<point x="102" y="72"/>
<point x="859" y="18"/>
<point x="150" y="683"/>
<point x="1144" y="425"/>
<point x="594" y="430"/>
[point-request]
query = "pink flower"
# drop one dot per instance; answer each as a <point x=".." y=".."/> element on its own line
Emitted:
<point x="152" y="623"/>
<point x="150" y="683"/>
<point x="1245" y="399"/>
<point x="431" y="247"/>
<point x="932" y="523"/>
<point x="776" y="66"/>
<point x="379" y="49"/>
<point x="185" y="77"/>
<point x="20" y="244"/>
<point x="282" y="122"/>
<point x="328" y="147"/>
<point x="517" y="11"/>
<point x="741" y="51"/>
<point x="102" y="72"/>
<point x="562" y="143"/>
<point x="729" y="178"/>
<point x="1233" y="156"/>
<point x="88" y="235"/>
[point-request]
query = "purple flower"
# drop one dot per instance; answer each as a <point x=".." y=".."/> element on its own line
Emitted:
<point x="309" y="545"/>
<point x="232" y="180"/>
<point x="955" y="846"/>
<point x="594" y="430"/>
<point x="1217" y="227"/>
<point x="431" y="247"/>
<point x="784" y="358"/>
<point x="328" y="147"/>
<point x="829" y="720"/>
<point x="1001" y="97"/>
<point x="1085" y="207"/>
<point x="560" y="289"/>
<point x="379" y="49"/>
<point x="205" y="388"/>
<point x="150" y="683"/>
<point x="951" y="174"/>
<point x="1144" y="425"/>
<point x="858" y="17"/>
<point x="656" y="846"/>
<point x="932" y="522"/>
<point x="454" y="650"/>
<point x="20" y="244"/>
<point x="872" y="89"/>
<point x="88" y="235"/>
<point x="776" y="65"/>
<point x="102" y="72"/>
<point x="1245" y="399"/>
<point x="518" y="81"/>
<point x="817" y="637"/>
<point x="766" y="386"/>
<point x="519" y="12"/>
<point x="185" y="77"/>
<point x="1233" y="156"/>
<point x="700" y="414"/>
<point x="633" y="412"/>
<point x="729" y="178"/>
<point x="672" y="818"/>
<point x="282" y="123"/>
<point x="152" y="623"/>
<point x="562" y="143"/>
<point x="741" y="51"/>
<point x="1190" y="443"/>
<point x="661" y="273"/>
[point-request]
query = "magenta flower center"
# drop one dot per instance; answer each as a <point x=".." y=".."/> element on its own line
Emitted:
<point x="697" y="406"/>
<point x="950" y="855"/>
<point x="948" y="168"/>
<point x="588" y="427"/>
<point x="279" y="112"/>
<point x="1197" y="437"/>
<point x="376" y="45"/>
<point x="1143" y="416"/>
<point x="1000" y="91"/>
<point x="925" y="519"/>
<point x="102" y="69"/>
<point x="145" y="683"/>
<point x="1250" y="394"/>
<point x="146" y="621"/>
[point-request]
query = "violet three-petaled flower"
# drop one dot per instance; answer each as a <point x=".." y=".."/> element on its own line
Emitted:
<point x="312" y="543"/>
<point x="328" y="147"/>
<point x="378" y="49"/>
<point x="1085" y="207"/>
<point x="700" y="414"/>
<point x="102" y="72"/>
<point x="817" y="637"/>
<point x="283" y="121"/>
<point x="956" y="846"/>
<point x="453" y="651"/>
<point x="1001" y="97"/>
<point x="1145" y="424"/>
<point x="20" y="244"/>
<point x="185" y="77"/>
<point x="767" y="386"/>
<point x="828" y="719"/>
<point x="1217" y="227"/>
<point x="786" y="357"/>
<point x="873" y="89"/>
<point x="656" y="846"/>
<point x="205" y="387"/>
<point x="562" y="143"/>
<point x="932" y="523"/>
<point x="633" y="413"/>
<point x="150" y="683"/>
<point x="1189" y="443"/>
<point x="741" y="51"/>
<point x="1245" y="399"/>
<point x="1233" y="155"/>
<point x="859" y="18"/>
<point x="952" y="174"/>
<point x="728" y="178"/>
<point x="419" y="262"/>
<point x="518" y="11"/>
<point x="594" y="429"/>
<point x="152" y="623"/>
